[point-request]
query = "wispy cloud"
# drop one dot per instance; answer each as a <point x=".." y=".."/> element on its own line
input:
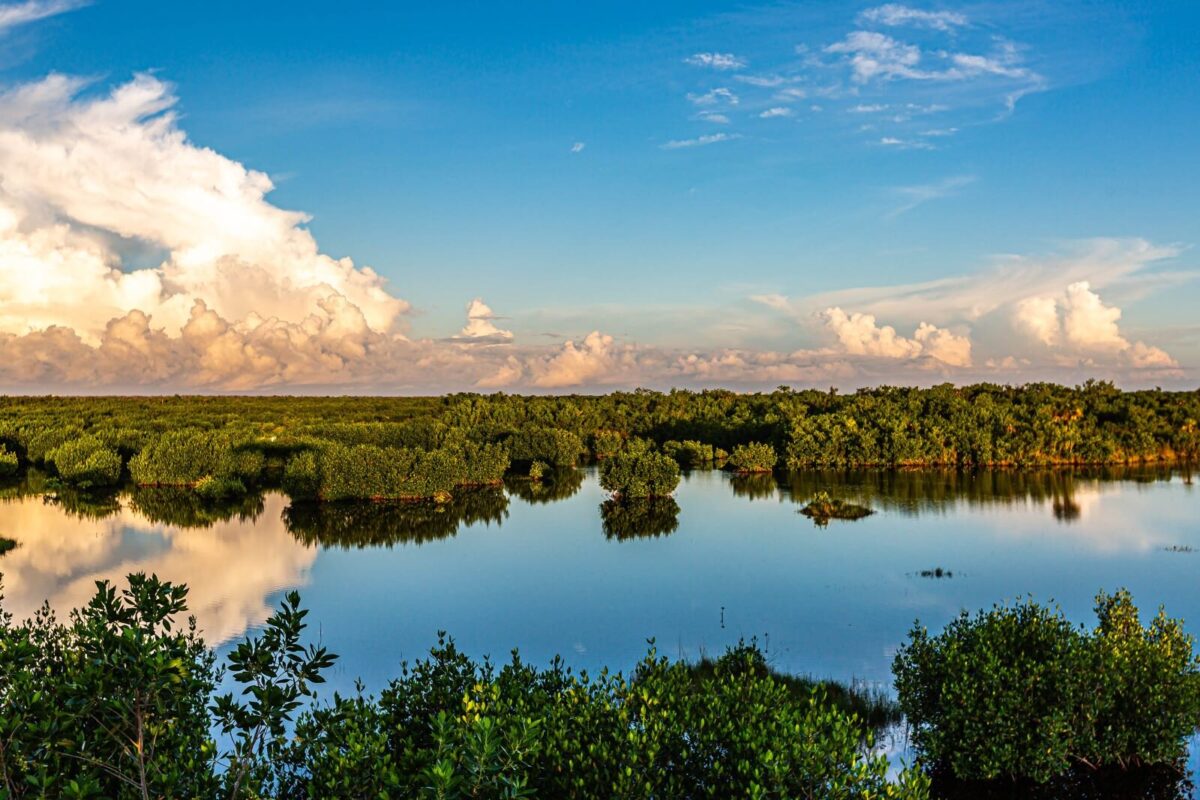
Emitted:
<point x="718" y="61"/>
<point x="578" y="147"/>
<point x="14" y="14"/>
<point x="776" y="111"/>
<point x="718" y="96"/>
<point x="700" y="141"/>
<point x="923" y="193"/>
<point x="896" y="15"/>
<point x="894" y="60"/>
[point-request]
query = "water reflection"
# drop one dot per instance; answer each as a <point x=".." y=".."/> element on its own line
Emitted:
<point x="913" y="492"/>
<point x="357" y="525"/>
<point x="555" y="485"/>
<point x="186" y="509"/>
<point x="755" y="486"/>
<point x="638" y="518"/>
<point x="232" y="564"/>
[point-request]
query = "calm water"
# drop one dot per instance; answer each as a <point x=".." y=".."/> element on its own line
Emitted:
<point x="547" y="571"/>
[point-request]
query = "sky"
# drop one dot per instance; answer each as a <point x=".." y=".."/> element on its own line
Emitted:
<point x="553" y="197"/>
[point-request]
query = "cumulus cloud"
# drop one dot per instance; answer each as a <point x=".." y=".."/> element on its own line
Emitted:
<point x="719" y="61"/>
<point x="895" y="14"/>
<point x="14" y="14"/>
<point x="1078" y="321"/>
<point x="85" y="179"/>
<point x="480" y="328"/>
<point x="776" y="111"/>
<point x="860" y="335"/>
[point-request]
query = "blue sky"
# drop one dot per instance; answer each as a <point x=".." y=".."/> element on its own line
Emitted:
<point x="696" y="175"/>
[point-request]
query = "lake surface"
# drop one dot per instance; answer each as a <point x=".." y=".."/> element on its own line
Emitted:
<point x="545" y="570"/>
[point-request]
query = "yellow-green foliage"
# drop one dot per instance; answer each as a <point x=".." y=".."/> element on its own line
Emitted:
<point x="366" y="472"/>
<point x="555" y="446"/>
<point x="639" y="474"/>
<point x="8" y="463"/>
<point x="188" y="457"/>
<point x="752" y="457"/>
<point x="86" y="461"/>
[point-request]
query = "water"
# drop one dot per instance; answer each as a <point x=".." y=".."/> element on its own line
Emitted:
<point x="548" y="570"/>
<point x="538" y="569"/>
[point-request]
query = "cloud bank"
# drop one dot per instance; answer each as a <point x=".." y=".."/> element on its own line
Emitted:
<point x="133" y="259"/>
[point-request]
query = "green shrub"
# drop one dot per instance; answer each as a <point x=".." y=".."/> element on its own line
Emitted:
<point x="822" y="508"/>
<point x="86" y="461"/>
<point x="644" y="474"/>
<point x="7" y="544"/>
<point x="8" y="463"/>
<point x="451" y="727"/>
<point x="185" y="457"/>
<point x="301" y="476"/>
<point x="555" y="446"/>
<point x="690" y="454"/>
<point x="606" y="444"/>
<point x="366" y="472"/>
<point x="40" y="441"/>
<point x="753" y="457"/>
<point x="537" y="470"/>
<point x="1019" y="692"/>
<point x="483" y="464"/>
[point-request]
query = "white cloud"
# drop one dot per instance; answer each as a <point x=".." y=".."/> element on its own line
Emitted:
<point x="700" y="141"/>
<point x="1078" y="322"/>
<point x="877" y="55"/>
<point x="578" y="147"/>
<point x="895" y="14"/>
<point x="867" y="108"/>
<point x="859" y="335"/>
<point x="480" y="328"/>
<point x="718" y="61"/>
<point x="84" y="179"/>
<point x="777" y="111"/>
<point x="718" y="96"/>
<point x="14" y="14"/>
<point x="712" y="116"/>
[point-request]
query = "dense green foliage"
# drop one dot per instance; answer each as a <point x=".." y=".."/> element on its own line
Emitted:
<point x="639" y="474"/>
<point x="752" y="457"/>
<point x="193" y="457"/>
<point x="223" y="446"/>
<point x="116" y="704"/>
<point x="86" y="462"/>
<point x="1019" y="692"/>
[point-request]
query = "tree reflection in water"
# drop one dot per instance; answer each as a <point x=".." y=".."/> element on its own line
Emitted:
<point x="559" y="484"/>
<point x="639" y="518"/>
<point x="917" y="491"/>
<point x="184" y="508"/>
<point x="755" y="485"/>
<point x="358" y="524"/>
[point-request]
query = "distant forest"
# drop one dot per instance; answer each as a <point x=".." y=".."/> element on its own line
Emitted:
<point x="342" y="448"/>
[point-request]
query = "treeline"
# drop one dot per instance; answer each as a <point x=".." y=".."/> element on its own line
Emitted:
<point x="330" y="449"/>
<point x="118" y="702"/>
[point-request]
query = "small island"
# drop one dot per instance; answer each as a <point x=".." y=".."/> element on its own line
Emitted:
<point x="822" y="508"/>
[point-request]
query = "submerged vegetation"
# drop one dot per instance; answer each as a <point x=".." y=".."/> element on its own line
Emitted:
<point x="116" y="703"/>
<point x="822" y="508"/>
